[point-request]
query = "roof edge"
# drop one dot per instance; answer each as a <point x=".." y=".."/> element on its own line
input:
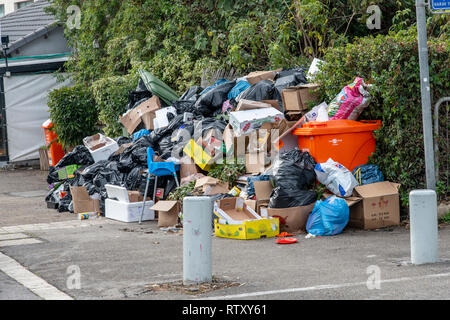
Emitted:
<point x="33" y="36"/>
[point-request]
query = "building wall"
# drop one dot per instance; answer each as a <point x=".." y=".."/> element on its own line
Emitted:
<point x="11" y="5"/>
<point x="54" y="42"/>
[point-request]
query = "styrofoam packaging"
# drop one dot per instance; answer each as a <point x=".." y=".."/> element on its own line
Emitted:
<point x="118" y="206"/>
<point x="244" y="122"/>
<point x="103" y="153"/>
<point x="128" y="212"/>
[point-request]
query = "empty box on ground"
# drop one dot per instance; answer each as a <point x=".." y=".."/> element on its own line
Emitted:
<point x="119" y="207"/>
<point x="236" y="220"/>
<point x="378" y="206"/>
<point x="291" y="219"/>
<point x="168" y="212"/>
<point x="82" y="202"/>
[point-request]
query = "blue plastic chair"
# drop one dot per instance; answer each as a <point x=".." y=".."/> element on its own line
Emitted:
<point x="157" y="169"/>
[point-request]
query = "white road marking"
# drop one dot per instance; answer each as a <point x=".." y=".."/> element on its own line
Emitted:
<point x="11" y="236"/>
<point x="55" y="225"/>
<point x="20" y="242"/>
<point x="29" y="280"/>
<point x="322" y="287"/>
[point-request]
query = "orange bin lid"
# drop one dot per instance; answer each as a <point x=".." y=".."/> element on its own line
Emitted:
<point x="337" y="126"/>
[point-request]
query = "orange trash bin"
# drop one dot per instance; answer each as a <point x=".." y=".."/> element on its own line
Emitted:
<point x="345" y="141"/>
<point x="55" y="152"/>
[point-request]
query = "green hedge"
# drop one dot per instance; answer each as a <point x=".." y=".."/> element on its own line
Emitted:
<point x="111" y="96"/>
<point x="390" y="64"/>
<point x="73" y="113"/>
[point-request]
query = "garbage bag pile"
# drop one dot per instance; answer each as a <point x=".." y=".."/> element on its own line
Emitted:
<point x="235" y="123"/>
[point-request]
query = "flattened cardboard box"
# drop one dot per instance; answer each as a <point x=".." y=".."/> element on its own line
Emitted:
<point x="236" y="146"/>
<point x="167" y="213"/>
<point x="257" y="76"/>
<point x="82" y="202"/>
<point x="211" y="186"/>
<point x="145" y="112"/>
<point x="297" y="98"/>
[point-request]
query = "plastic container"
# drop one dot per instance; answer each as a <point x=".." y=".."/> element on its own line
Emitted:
<point x="345" y="141"/>
<point x="100" y="147"/>
<point x="56" y="151"/>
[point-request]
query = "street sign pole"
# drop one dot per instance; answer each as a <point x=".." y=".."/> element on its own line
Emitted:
<point x="425" y="94"/>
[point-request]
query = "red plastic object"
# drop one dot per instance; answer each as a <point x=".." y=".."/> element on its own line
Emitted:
<point x="55" y="152"/>
<point x="287" y="241"/>
<point x="284" y="234"/>
<point x="345" y="141"/>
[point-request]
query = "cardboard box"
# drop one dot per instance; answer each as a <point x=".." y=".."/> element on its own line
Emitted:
<point x="145" y="112"/>
<point x="236" y="146"/>
<point x="82" y="202"/>
<point x="256" y="163"/>
<point x="274" y="103"/>
<point x="250" y="105"/>
<point x="210" y="186"/>
<point x="188" y="167"/>
<point x="378" y="206"/>
<point x="263" y="189"/>
<point x="265" y="135"/>
<point x="287" y="141"/>
<point x="257" y="76"/>
<point x="167" y="213"/>
<point x="244" y="122"/>
<point x="297" y="98"/>
<point x="236" y="220"/>
<point x="291" y="219"/>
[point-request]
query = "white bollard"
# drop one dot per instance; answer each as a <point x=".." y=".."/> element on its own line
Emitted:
<point x="197" y="239"/>
<point x="423" y="225"/>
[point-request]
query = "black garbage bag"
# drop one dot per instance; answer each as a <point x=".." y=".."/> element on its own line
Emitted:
<point x="123" y="140"/>
<point x="288" y="78"/>
<point x="138" y="96"/>
<point x="64" y="204"/>
<point x="294" y="171"/>
<point x="135" y="178"/>
<point x="213" y="100"/>
<point x="80" y="155"/>
<point x="282" y="198"/>
<point x="293" y="174"/>
<point x="263" y="90"/>
<point x="205" y="125"/>
<point x="52" y="176"/>
<point x="192" y="94"/>
<point x="183" y="106"/>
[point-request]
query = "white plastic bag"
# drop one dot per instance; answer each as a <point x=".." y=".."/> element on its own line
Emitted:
<point x="337" y="178"/>
<point x="314" y="113"/>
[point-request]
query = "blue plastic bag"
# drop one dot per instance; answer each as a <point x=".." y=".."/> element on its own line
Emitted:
<point x="367" y="174"/>
<point x="216" y="84"/>
<point x="140" y="134"/>
<point x="241" y="86"/>
<point x="329" y="217"/>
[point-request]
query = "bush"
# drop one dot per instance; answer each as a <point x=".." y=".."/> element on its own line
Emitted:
<point x="111" y="96"/>
<point x="73" y="113"/>
<point x="391" y="64"/>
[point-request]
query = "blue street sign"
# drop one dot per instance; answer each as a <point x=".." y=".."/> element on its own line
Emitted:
<point x="440" y="5"/>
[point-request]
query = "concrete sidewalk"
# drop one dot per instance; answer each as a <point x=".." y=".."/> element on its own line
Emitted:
<point x="122" y="261"/>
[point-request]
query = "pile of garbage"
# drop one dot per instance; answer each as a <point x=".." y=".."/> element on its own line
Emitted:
<point x="248" y="128"/>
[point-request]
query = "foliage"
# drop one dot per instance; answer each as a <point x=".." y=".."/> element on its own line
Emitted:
<point x="111" y="96"/>
<point x="176" y="39"/>
<point x="73" y="113"/>
<point x="182" y="191"/>
<point x="227" y="172"/>
<point x="390" y="64"/>
<point x="446" y="218"/>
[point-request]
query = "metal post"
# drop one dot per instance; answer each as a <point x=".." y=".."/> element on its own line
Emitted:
<point x="197" y="240"/>
<point x="423" y="226"/>
<point x="425" y="94"/>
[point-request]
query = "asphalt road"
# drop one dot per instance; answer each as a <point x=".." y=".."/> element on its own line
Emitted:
<point x="122" y="261"/>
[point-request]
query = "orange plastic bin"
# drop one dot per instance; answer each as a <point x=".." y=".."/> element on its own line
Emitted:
<point x="55" y="152"/>
<point x="348" y="142"/>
